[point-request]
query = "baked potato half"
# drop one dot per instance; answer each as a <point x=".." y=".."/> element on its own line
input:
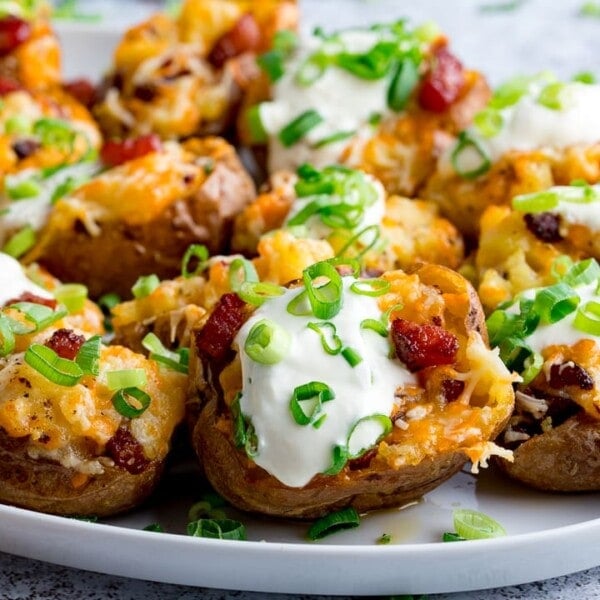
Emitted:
<point x="140" y="216"/>
<point x="324" y="418"/>
<point x="84" y="428"/>
<point x="549" y="336"/>
<point x="521" y="247"/>
<point x="352" y="212"/>
<point x="534" y="133"/>
<point x="185" y="76"/>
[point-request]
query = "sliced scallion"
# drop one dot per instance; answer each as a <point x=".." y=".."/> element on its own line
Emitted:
<point x="72" y="296"/>
<point x="254" y="123"/>
<point x="194" y="252"/>
<point x="532" y="366"/>
<point x="40" y="315"/>
<point x="162" y="355"/>
<point x="145" y="285"/>
<point x="299" y="306"/>
<point x="131" y="402"/>
<point x="555" y="302"/>
<point x="325" y="298"/>
<point x="582" y="273"/>
<point x="306" y="403"/>
<point x="126" y="378"/>
<point x="474" y="525"/>
<point x="220" y="529"/>
<point x="257" y="292"/>
<point x="340" y="458"/>
<point x="331" y="342"/>
<point x="294" y="131"/>
<point x="88" y="356"/>
<point x="7" y="337"/>
<point x="469" y="158"/>
<point x="241" y="270"/>
<point x="346" y="518"/>
<point x="373" y="428"/>
<point x="54" y="368"/>
<point x="19" y="243"/>
<point x="374" y="325"/>
<point x="402" y="84"/>
<point x="351" y="356"/>
<point x="371" y="287"/>
<point x="536" y="202"/>
<point x="587" y="318"/>
<point x="267" y="342"/>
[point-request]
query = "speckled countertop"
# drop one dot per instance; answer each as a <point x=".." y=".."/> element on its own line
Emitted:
<point x="536" y="35"/>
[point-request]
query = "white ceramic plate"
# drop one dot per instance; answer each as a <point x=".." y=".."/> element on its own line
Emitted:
<point x="548" y="535"/>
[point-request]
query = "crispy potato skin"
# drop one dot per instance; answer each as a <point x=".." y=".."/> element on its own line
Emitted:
<point x="48" y="487"/>
<point x="564" y="459"/>
<point x="133" y="241"/>
<point x="383" y="480"/>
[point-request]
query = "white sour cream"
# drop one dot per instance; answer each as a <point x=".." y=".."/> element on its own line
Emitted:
<point x="562" y="332"/>
<point x="294" y="453"/>
<point x="578" y="212"/>
<point x="529" y="125"/>
<point x="345" y="102"/>
<point x="34" y="211"/>
<point x="13" y="281"/>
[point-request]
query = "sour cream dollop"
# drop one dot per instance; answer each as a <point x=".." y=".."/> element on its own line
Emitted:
<point x="14" y="281"/>
<point x="295" y="453"/>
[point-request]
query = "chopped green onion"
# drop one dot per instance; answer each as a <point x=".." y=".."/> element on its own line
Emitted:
<point x="338" y="136"/>
<point x="241" y="270"/>
<point x="272" y="64"/>
<point x="220" y="529"/>
<point x="162" y="355"/>
<point x="351" y="356"/>
<point x="40" y="315"/>
<point x="376" y="428"/>
<point x="306" y="403"/>
<point x="452" y="537"/>
<point x="205" y="510"/>
<point x="125" y="378"/>
<point x="340" y="458"/>
<point x="552" y="96"/>
<point x="257" y="292"/>
<point x="72" y="296"/>
<point x="325" y="298"/>
<point x="54" y="368"/>
<point x="20" y="242"/>
<point x="145" y="285"/>
<point x="371" y="287"/>
<point x="383" y="539"/>
<point x="312" y="69"/>
<point x="560" y="266"/>
<point x="109" y="301"/>
<point x="251" y="443"/>
<point x="267" y="342"/>
<point x="587" y="318"/>
<point x="239" y="423"/>
<point x="375" y="325"/>
<point x="155" y="527"/>
<point x="582" y="273"/>
<point x="7" y="337"/>
<point x="55" y="132"/>
<point x="299" y="305"/>
<point x="17" y="124"/>
<point x="88" y="356"/>
<point x="585" y="77"/>
<point x="555" y="302"/>
<point x="295" y="130"/>
<point x="532" y="366"/>
<point x="372" y="65"/>
<point x="474" y="525"/>
<point x="341" y="262"/>
<point x="536" y="202"/>
<point x="256" y="129"/>
<point x="197" y="252"/>
<point x="131" y="402"/>
<point x="372" y="233"/>
<point x="346" y="518"/>
<point x="489" y="122"/>
<point x="590" y="9"/>
<point x="469" y="158"/>
<point x="28" y="188"/>
<point x="402" y="84"/>
<point x="514" y="352"/>
<point x="331" y="342"/>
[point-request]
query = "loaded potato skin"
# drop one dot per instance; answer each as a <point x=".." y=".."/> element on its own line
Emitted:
<point x="464" y="383"/>
<point x="139" y="217"/>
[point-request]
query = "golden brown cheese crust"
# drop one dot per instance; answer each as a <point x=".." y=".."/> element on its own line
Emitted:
<point x="408" y="462"/>
<point x="463" y="201"/>
<point x="139" y="218"/>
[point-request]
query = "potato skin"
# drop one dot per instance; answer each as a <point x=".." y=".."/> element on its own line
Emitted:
<point x="373" y="482"/>
<point x="45" y="486"/>
<point x="564" y="459"/>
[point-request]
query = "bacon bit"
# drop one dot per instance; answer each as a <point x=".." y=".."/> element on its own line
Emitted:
<point x="29" y="297"/>
<point x="443" y="83"/>
<point x="13" y="32"/>
<point x="362" y="462"/>
<point x="215" y="338"/>
<point x="545" y="226"/>
<point x="8" y="86"/>
<point x="116" y="152"/>
<point x="244" y="36"/>
<point x="82" y="90"/>
<point x="25" y="148"/>
<point x="570" y="373"/>
<point x="66" y="343"/>
<point x="127" y="452"/>
<point x="452" y="389"/>
<point x="145" y="93"/>
<point x="420" y="346"/>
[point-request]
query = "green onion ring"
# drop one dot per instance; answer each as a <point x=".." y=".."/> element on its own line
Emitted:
<point x="54" y="368"/>
<point x="587" y="318"/>
<point x="72" y="296"/>
<point x="582" y="273"/>
<point x="325" y="300"/>
<point x="257" y="292"/>
<point x="145" y="285"/>
<point x="357" y="239"/>
<point x="162" y="355"/>
<point x="536" y="202"/>
<point x="40" y="315"/>
<point x="295" y="130"/>
<point x="241" y="270"/>
<point x="7" y="337"/>
<point x="555" y="302"/>
<point x="315" y="391"/>
<point x="351" y="356"/>
<point x="267" y="342"/>
<point x="125" y="378"/>
<point x="402" y="84"/>
<point x="299" y="306"/>
<point x="375" y="325"/>
<point x="88" y="356"/>
<point x="474" y="525"/>
<point x="346" y="518"/>
<point x="382" y="422"/>
<point x="532" y="366"/>
<point x="371" y="287"/>
<point x="327" y="332"/>
<point x="20" y="242"/>
<point x="220" y="529"/>
<point x="198" y="252"/>
<point x="124" y="406"/>
<point x="340" y="458"/>
<point x="467" y="142"/>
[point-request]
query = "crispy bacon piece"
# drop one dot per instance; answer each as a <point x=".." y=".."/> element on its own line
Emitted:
<point x="13" y="32"/>
<point x="25" y="147"/>
<point x="545" y="226"/>
<point x="8" y="85"/>
<point x="452" y="389"/>
<point x="29" y="297"/>
<point x="66" y="343"/>
<point x="116" y="152"/>
<point x="244" y="36"/>
<point x="420" y="346"/>
<point x="215" y="338"/>
<point x="82" y="89"/>
<point x="570" y="373"/>
<point x="127" y="452"/>
<point x="443" y="83"/>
